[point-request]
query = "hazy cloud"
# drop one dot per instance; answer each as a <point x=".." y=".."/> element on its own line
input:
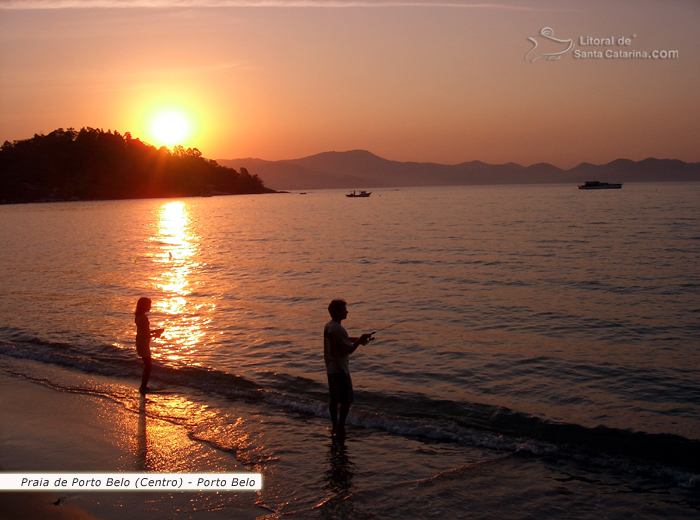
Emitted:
<point x="151" y="4"/>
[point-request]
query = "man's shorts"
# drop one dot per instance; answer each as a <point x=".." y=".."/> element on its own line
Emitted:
<point x="340" y="388"/>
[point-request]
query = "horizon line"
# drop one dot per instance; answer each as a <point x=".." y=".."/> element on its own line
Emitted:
<point x="362" y="150"/>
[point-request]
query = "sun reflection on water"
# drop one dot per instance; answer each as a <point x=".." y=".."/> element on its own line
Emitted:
<point x="177" y="259"/>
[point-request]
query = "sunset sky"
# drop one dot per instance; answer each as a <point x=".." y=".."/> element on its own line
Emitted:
<point x="441" y="81"/>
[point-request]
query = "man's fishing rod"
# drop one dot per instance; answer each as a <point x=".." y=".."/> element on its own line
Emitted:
<point x="387" y="327"/>
<point x="383" y="328"/>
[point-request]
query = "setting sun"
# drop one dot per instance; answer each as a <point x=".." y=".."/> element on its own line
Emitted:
<point x="169" y="118"/>
<point x="170" y="128"/>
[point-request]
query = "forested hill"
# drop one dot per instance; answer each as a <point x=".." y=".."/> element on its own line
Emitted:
<point x="92" y="164"/>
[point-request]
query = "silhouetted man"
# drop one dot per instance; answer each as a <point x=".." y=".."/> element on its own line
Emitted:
<point x="337" y="347"/>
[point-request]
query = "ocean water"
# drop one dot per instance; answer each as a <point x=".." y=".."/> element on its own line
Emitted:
<point x="536" y="355"/>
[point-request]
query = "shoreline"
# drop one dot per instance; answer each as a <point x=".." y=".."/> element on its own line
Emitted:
<point x="49" y="430"/>
<point x="164" y="197"/>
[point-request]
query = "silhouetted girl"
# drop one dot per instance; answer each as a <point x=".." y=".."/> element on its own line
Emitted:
<point x="143" y="339"/>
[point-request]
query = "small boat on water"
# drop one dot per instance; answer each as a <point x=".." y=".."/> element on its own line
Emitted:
<point x="361" y="194"/>
<point x="595" y="185"/>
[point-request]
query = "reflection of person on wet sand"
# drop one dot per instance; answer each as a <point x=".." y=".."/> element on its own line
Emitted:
<point x="143" y="339"/>
<point x="337" y="347"/>
<point x="142" y="440"/>
<point x="340" y="473"/>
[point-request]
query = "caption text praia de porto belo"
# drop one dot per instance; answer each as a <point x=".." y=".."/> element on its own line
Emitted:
<point x="131" y="481"/>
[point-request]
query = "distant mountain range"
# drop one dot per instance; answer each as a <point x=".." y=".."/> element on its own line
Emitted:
<point x="361" y="169"/>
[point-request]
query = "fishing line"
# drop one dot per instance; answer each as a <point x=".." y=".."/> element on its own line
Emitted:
<point x="387" y="327"/>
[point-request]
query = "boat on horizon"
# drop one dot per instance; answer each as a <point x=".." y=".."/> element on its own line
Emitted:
<point x="361" y="194"/>
<point x="596" y="185"/>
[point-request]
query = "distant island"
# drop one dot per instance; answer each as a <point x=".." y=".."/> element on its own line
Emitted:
<point x="361" y="169"/>
<point x="91" y="164"/>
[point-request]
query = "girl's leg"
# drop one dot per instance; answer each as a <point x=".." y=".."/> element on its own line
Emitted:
<point x="146" y="374"/>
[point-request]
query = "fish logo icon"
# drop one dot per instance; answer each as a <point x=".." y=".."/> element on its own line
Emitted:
<point x="548" y="43"/>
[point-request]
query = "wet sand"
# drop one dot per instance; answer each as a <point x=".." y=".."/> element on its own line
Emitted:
<point x="47" y="430"/>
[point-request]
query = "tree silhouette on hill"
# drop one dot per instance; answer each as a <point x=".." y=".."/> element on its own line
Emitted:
<point x="92" y="164"/>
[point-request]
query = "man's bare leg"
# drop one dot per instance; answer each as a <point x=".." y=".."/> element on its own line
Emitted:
<point x="344" y="409"/>
<point x="333" y="408"/>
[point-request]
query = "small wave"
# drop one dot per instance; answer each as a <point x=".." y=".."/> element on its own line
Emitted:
<point x="108" y="360"/>
<point x="411" y="415"/>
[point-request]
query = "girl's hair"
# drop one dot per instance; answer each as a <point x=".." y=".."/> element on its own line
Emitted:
<point x="143" y="306"/>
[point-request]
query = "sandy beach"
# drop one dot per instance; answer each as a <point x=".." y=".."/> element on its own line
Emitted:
<point x="47" y="430"/>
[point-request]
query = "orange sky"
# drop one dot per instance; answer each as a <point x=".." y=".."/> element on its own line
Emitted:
<point x="417" y="80"/>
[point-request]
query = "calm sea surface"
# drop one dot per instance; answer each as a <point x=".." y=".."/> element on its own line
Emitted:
<point x="539" y="353"/>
